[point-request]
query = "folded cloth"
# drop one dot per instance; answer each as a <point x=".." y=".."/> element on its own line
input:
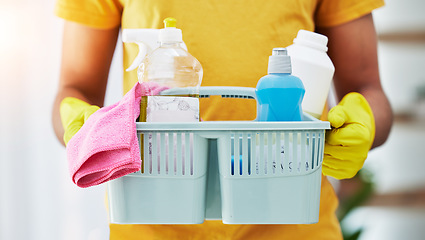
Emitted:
<point x="106" y="146"/>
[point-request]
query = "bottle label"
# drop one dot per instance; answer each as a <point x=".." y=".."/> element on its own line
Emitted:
<point x="172" y="109"/>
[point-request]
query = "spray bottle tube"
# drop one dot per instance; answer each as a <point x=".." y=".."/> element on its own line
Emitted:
<point x="146" y="40"/>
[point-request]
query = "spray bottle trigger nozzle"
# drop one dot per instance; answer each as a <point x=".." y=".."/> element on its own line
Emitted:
<point x="143" y="50"/>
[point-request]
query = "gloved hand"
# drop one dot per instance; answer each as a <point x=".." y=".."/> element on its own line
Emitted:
<point x="74" y="112"/>
<point x="351" y="137"/>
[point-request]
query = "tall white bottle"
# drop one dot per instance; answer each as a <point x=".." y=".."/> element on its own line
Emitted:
<point x="313" y="66"/>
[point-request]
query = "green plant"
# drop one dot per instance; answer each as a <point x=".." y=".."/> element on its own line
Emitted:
<point x="364" y="189"/>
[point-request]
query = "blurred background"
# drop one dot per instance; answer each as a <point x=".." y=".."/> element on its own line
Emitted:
<point x="39" y="201"/>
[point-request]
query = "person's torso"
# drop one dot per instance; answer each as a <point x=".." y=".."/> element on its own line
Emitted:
<point x="232" y="40"/>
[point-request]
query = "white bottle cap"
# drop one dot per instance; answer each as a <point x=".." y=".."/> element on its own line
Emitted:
<point x="279" y="61"/>
<point x="312" y="39"/>
<point x="170" y="33"/>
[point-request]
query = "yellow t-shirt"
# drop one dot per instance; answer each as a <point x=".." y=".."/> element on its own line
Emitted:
<point x="232" y="39"/>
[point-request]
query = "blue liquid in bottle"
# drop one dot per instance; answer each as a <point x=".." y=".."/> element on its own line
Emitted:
<point x="279" y="94"/>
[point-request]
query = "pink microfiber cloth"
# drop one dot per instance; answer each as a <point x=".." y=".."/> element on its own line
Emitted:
<point x="106" y="146"/>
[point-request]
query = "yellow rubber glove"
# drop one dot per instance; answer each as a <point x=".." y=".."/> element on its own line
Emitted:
<point x="351" y="137"/>
<point x="74" y="112"/>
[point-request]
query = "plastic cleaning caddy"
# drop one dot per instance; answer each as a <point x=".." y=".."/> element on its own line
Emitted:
<point x="189" y="176"/>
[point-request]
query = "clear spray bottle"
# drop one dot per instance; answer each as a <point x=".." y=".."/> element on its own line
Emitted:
<point x="172" y="67"/>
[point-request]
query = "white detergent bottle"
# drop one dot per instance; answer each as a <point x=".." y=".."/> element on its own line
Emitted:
<point x="313" y="66"/>
<point x="173" y="68"/>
